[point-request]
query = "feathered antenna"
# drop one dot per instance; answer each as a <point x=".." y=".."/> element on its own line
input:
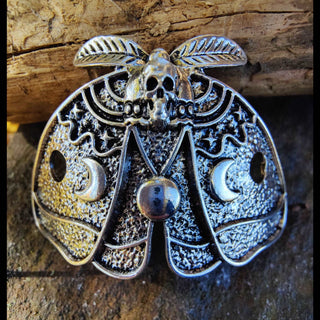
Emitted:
<point x="110" y="51"/>
<point x="208" y="51"/>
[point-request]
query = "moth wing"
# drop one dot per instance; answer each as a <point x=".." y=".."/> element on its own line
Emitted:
<point x="76" y="169"/>
<point x="241" y="180"/>
<point x="125" y="248"/>
<point x="190" y="249"/>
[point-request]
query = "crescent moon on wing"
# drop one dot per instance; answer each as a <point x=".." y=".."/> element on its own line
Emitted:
<point x="97" y="181"/>
<point x="218" y="181"/>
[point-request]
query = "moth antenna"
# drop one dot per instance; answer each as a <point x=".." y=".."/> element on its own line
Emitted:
<point x="208" y="51"/>
<point x="110" y="51"/>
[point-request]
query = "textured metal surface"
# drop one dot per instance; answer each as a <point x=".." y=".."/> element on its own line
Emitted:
<point x="158" y="140"/>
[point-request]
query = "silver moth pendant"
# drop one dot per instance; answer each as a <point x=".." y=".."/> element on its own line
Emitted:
<point x="158" y="140"/>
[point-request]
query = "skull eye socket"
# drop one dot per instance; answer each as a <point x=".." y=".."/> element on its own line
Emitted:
<point x="168" y="84"/>
<point x="152" y="83"/>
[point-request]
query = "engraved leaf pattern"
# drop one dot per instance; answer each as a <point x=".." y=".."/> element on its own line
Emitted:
<point x="110" y="50"/>
<point x="209" y="51"/>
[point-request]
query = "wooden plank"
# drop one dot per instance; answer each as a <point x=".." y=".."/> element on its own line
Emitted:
<point x="43" y="37"/>
<point x="39" y="81"/>
<point x="39" y="23"/>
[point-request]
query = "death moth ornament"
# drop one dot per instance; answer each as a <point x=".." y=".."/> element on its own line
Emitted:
<point x="158" y="141"/>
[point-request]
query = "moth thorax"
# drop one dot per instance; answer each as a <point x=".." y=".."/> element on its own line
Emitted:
<point x="158" y="198"/>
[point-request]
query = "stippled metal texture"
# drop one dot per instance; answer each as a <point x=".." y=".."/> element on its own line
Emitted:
<point x="158" y="141"/>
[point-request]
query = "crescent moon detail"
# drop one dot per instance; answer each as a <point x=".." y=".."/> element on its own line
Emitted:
<point x="218" y="181"/>
<point x="97" y="181"/>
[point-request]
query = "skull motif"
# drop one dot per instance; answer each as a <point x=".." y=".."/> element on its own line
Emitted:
<point x="158" y="141"/>
<point x="158" y="87"/>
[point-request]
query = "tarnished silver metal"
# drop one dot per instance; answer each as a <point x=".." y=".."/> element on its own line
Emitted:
<point x="158" y="198"/>
<point x="158" y="140"/>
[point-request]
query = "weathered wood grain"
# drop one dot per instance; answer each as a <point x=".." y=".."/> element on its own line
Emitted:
<point x="43" y="37"/>
<point x="39" y="81"/>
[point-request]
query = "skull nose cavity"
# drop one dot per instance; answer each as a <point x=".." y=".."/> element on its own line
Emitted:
<point x="160" y="93"/>
<point x="152" y="83"/>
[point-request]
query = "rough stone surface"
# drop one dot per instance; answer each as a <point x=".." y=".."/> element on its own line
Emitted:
<point x="277" y="284"/>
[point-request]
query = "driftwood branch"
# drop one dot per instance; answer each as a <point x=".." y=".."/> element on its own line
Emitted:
<point x="43" y="37"/>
